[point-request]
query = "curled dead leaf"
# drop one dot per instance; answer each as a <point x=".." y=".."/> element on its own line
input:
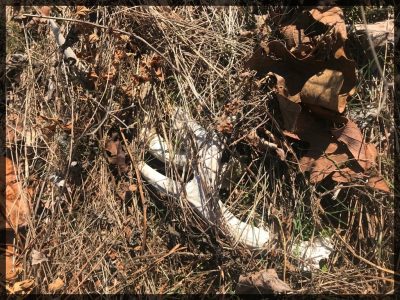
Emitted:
<point x="115" y="154"/>
<point x="323" y="89"/>
<point x="290" y="112"/>
<point x="93" y="38"/>
<point x="45" y="11"/>
<point x="224" y="124"/>
<point x="56" y="285"/>
<point x="110" y="73"/>
<point x="323" y="166"/>
<point x="276" y="58"/>
<point x="264" y="281"/>
<point x="378" y="183"/>
<point x="82" y="11"/>
<point x="349" y="134"/>
<point x="22" y="287"/>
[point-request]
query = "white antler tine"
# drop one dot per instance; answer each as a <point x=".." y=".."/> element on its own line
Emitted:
<point x="182" y="119"/>
<point x="159" y="181"/>
<point x="159" y="148"/>
<point x="244" y="233"/>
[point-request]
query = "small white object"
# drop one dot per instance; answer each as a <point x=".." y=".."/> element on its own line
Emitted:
<point x="312" y="252"/>
<point x="74" y="163"/>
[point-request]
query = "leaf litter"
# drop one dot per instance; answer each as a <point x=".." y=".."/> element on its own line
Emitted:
<point x="314" y="79"/>
<point x="312" y="89"/>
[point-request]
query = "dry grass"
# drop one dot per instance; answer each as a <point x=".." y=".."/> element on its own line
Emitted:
<point x="92" y="231"/>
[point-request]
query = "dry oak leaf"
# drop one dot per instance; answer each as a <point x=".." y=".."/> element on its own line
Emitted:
<point x="276" y="58"/>
<point x="110" y="73"/>
<point x="44" y="11"/>
<point x="347" y="175"/>
<point x="22" y="287"/>
<point x="294" y="36"/>
<point x="323" y="166"/>
<point x="349" y="134"/>
<point x="323" y="89"/>
<point x="324" y="155"/>
<point x="288" y="105"/>
<point x="119" y="55"/>
<point x="378" y="183"/>
<point x="16" y="205"/>
<point x="93" y="38"/>
<point x="82" y="10"/>
<point x="56" y="285"/>
<point x="224" y="125"/>
<point x="264" y="281"/>
<point x="333" y="16"/>
<point x="115" y="154"/>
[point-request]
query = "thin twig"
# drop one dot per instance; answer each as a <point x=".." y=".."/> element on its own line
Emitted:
<point x="142" y="198"/>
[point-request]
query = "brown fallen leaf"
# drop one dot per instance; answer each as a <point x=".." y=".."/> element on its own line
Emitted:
<point x="23" y="287"/>
<point x="224" y="125"/>
<point x="56" y="285"/>
<point x="323" y="89"/>
<point x="378" y="183"/>
<point x="44" y="11"/>
<point x="16" y="205"/>
<point x="115" y="154"/>
<point x="290" y="112"/>
<point x="276" y="58"/>
<point x="334" y="17"/>
<point x="347" y="175"/>
<point x="288" y="105"/>
<point x="324" y="155"/>
<point x="93" y="38"/>
<point x="264" y="281"/>
<point x="349" y="134"/>
<point x="82" y="11"/>
<point x="294" y="36"/>
<point x="323" y="166"/>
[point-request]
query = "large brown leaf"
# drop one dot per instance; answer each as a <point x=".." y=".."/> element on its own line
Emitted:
<point x="348" y="175"/>
<point x="323" y="166"/>
<point x="319" y="31"/>
<point x="276" y="58"/>
<point x="323" y="89"/>
<point x="365" y="154"/>
<point x="334" y="17"/>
